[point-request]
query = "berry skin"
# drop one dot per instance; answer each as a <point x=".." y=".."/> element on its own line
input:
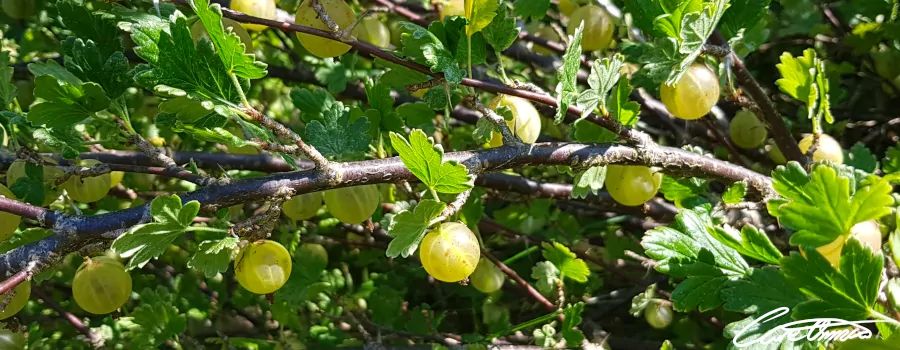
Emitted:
<point x="827" y="150"/>
<point x="566" y="7"/>
<point x="10" y="340"/>
<point x="659" y="315"/>
<point x="258" y="8"/>
<point x="17" y="301"/>
<point x="631" y="185"/>
<point x="373" y="31"/>
<point x="353" y="205"/>
<point x="115" y="178"/>
<point x="263" y="267"/>
<point x="525" y="124"/>
<point x="598" y="27"/>
<point x="19" y="9"/>
<point x="450" y="252"/>
<point x="101" y="285"/>
<point x="487" y="277"/>
<point x="747" y="131"/>
<point x="694" y="95"/>
<point x="302" y="207"/>
<point x="8" y="222"/>
<point x="88" y="189"/>
<point x="339" y="11"/>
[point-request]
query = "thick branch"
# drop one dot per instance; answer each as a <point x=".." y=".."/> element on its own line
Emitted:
<point x="75" y="232"/>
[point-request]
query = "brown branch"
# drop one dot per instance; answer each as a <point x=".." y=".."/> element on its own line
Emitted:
<point x="526" y="287"/>
<point x="76" y="323"/>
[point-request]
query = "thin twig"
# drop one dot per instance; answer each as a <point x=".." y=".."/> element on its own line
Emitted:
<point x="95" y="340"/>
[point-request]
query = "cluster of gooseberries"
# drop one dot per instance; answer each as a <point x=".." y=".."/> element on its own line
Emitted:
<point x="350" y="205"/>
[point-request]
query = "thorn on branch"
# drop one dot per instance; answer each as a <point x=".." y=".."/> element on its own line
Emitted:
<point x="425" y="85"/>
<point x="719" y="51"/>
<point x="284" y="132"/>
<point x="160" y="158"/>
<point x="323" y="15"/>
<point x="261" y="225"/>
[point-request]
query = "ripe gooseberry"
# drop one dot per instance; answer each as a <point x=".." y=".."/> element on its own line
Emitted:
<point x="694" y="95"/>
<point x="257" y="8"/>
<point x="658" y="314"/>
<point x="746" y="130"/>
<point x="339" y="11"/>
<point x="352" y="205"/>
<point x="262" y="267"/>
<point x="487" y="277"/>
<point x="101" y="285"/>
<point x="566" y="7"/>
<point x="17" y="170"/>
<point x="598" y="27"/>
<point x="88" y="189"/>
<point x="450" y="252"/>
<point x="10" y="340"/>
<point x="828" y="149"/>
<point x="15" y="300"/>
<point x="8" y="222"/>
<point x="867" y="232"/>
<point x="19" y="9"/>
<point x="631" y="185"/>
<point x="525" y="123"/>
<point x="373" y="31"/>
<point x="302" y="207"/>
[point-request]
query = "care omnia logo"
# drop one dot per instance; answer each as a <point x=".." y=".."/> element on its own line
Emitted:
<point x="824" y="330"/>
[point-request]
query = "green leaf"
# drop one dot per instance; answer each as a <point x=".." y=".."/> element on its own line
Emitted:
<point x="214" y="256"/>
<point x="620" y="105"/>
<point x="566" y="261"/>
<point x="686" y="249"/>
<point x="566" y="89"/>
<point x="849" y="292"/>
<point x="894" y="240"/>
<point x="408" y="227"/>
<point x="418" y="115"/>
<point x="750" y="242"/>
<point x="176" y="64"/>
<point x="644" y="12"/>
<point x="30" y="188"/>
<point x="735" y="193"/>
<point x="891" y="162"/>
<point x="861" y="157"/>
<point x="588" y="182"/>
<point x="695" y="28"/>
<point x="425" y="160"/>
<point x="819" y="206"/>
<point x="684" y="192"/>
<point x="604" y="75"/>
<point x="228" y="45"/>
<point x="62" y="104"/>
<point x="53" y="69"/>
<point x="762" y="290"/>
<point x="337" y="137"/>
<point x="85" y="60"/>
<point x="312" y="103"/>
<point x="571" y="320"/>
<point x="147" y="241"/>
<point x="479" y="14"/>
<point x="535" y="9"/>
<point x="743" y="14"/>
<point x="502" y="31"/>
<point x="803" y="79"/>
<point x="424" y="47"/>
<point x="7" y="88"/>
<point x="91" y="25"/>
<point x="642" y="300"/>
<point x="156" y="317"/>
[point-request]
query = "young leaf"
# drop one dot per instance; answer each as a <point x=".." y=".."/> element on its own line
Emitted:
<point x="86" y="61"/>
<point x="479" y="14"/>
<point x="408" y="227"/>
<point x="568" y="263"/>
<point x="695" y="29"/>
<point x="685" y="192"/>
<point x="685" y="249"/>
<point x="423" y="47"/>
<point x="848" y="292"/>
<point x="642" y="300"/>
<point x="214" y="256"/>
<point x="803" y="79"/>
<point x="571" y="320"/>
<point x="312" y="103"/>
<point x="604" y="75"/>
<point x="735" y="193"/>
<point x="546" y="275"/>
<point x="502" y="31"/>
<point x="743" y="14"/>
<point x="566" y="89"/>
<point x="620" y="105"/>
<point x="147" y="241"/>
<point x="891" y="162"/>
<point x="156" y="318"/>
<point x="228" y="45"/>
<point x="425" y="160"/>
<point x="337" y="137"/>
<point x="819" y="206"/>
<point x="588" y="182"/>
<point x="750" y="242"/>
<point x="91" y="25"/>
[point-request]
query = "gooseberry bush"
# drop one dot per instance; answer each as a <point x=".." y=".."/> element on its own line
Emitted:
<point x="315" y="174"/>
